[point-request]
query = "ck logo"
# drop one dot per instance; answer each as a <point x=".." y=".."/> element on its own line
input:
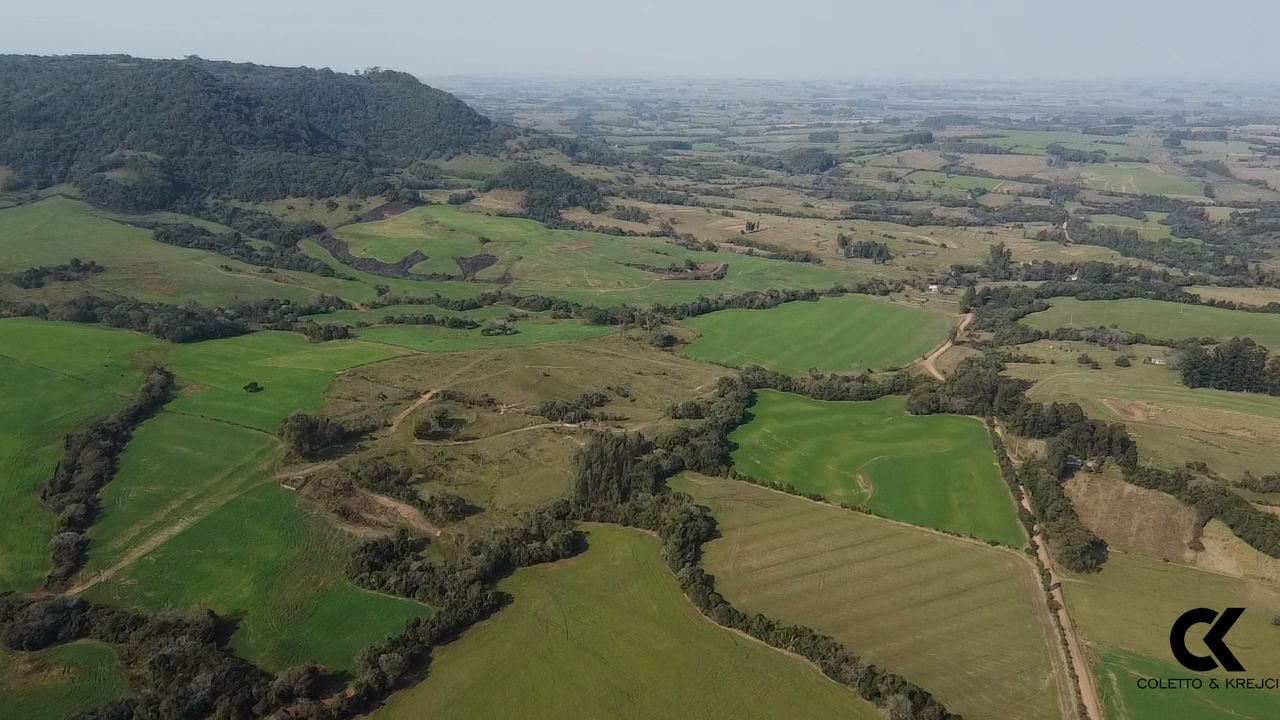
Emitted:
<point x="1220" y="625"/>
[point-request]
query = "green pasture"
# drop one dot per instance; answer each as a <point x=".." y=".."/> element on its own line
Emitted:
<point x="964" y="182"/>
<point x="609" y="634"/>
<point x="1158" y="319"/>
<point x="1141" y="179"/>
<point x="1125" y="613"/>
<point x="426" y="338"/>
<point x="1233" y="432"/>
<point x="59" y="682"/>
<point x="581" y="266"/>
<point x="1117" y="674"/>
<point x="54" y="230"/>
<point x="847" y="333"/>
<point x="937" y="471"/>
<point x="55" y="378"/>
<point x="963" y="620"/>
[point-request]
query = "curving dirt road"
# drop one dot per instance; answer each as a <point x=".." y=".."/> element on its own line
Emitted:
<point x="930" y="362"/>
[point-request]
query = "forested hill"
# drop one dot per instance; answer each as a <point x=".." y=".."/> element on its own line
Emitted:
<point x="138" y="134"/>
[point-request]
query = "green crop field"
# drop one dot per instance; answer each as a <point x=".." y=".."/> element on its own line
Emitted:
<point x="54" y="377"/>
<point x="963" y="620"/>
<point x="194" y="503"/>
<point x="1149" y="229"/>
<point x="1140" y="178"/>
<point x="1173" y="424"/>
<point x="834" y="334"/>
<point x="581" y="266"/>
<point x="937" y="471"/>
<point x="1157" y="319"/>
<point x="438" y="339"/>
<point x="1117" y="675"/>
<point x="609" y="634"/>
<point x="60" y="682"/>
<point x="260" y="558"/>
<point x="1125" y="613"/>
<point x="192" y="518"/>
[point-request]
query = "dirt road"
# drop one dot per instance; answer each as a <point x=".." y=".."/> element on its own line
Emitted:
<point x="1075" y="647"/>
<point x="930" y="362"/>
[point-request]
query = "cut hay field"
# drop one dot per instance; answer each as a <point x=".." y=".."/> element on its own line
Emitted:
<point x="1247" y="296"/>
<point x="848" y="333"/>
<point x="609" y="634"/>
<point x="1157" y="319"/>
<point x="54" y="377"/>
<point x="937" y="471"/>
<point x="1125" y="613"/>
<point x="1173" y="424"/>
<point x="60" y="682"/>
<point x="965" y="621"/>
<point x="53" y="231"/>
<point x="581" y="266"/>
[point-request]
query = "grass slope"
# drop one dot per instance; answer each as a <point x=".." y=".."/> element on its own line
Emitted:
<point x="834" y="334"/>
<point x="60" y="682"/>
<point x="1232" y="432"/>
<point x="54" y="378"/>
<point x="610" y="635"/>
<point x="962" y="620"/>
<point x="437" y="339"/>
<point x="1125" y="613"/>
<point x="937" y="471"/>
<point x="54" y="230"/>
<point x="1156" y="319"/>
<point x="583" y="266"/>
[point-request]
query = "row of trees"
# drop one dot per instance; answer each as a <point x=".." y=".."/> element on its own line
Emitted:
<point x="88" y="463"/>
<point x="37" y="277"/>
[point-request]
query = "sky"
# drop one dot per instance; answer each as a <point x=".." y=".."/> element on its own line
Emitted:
<point x="1223" y="40"/>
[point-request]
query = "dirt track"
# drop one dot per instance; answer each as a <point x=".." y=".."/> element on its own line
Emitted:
<point x="930" y="362"/>
<point x="1075" y="647"/>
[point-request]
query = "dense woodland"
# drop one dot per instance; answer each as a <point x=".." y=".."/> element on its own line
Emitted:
<point x="138" y="134"/>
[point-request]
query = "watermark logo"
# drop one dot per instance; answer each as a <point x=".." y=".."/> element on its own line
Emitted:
<point x="1219" y="625"/>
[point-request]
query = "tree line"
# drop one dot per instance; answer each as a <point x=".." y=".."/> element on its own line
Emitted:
<point x="38" y="277"/>
<point x="89" y="461"/>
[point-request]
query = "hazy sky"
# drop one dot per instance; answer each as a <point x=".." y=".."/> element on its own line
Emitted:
<point x="1032" y="39"/>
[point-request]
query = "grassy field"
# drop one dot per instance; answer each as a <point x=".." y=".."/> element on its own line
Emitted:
<point x="54" y="230"/>
<point x="511" y="459"/>
<point x="581" y="266"/>
<point x="1156" y="319"/>
<point x="293" y="372"/>
<point x="262" y="559"/>
<point x="937" y="471"/>
<point x="965" y="182"/>
<point x="848" y="333"/>
<point x="444" y="340"/>
<point x="963" y="620"/>
<point x="1149" y="229"/>
<point x="1126" y="611"/>
<point x="1117" y="675"/>
<point x="1173" y="424"/>
<point x="55" y="378"/>
<point x="1140" y="178"/>
<point x="60" y="682"/>
<point x="609" y="634"/>
<point x="1246" y="296"/>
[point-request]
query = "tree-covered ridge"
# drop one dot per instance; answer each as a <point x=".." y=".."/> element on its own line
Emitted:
<point x="138" y="134"/>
